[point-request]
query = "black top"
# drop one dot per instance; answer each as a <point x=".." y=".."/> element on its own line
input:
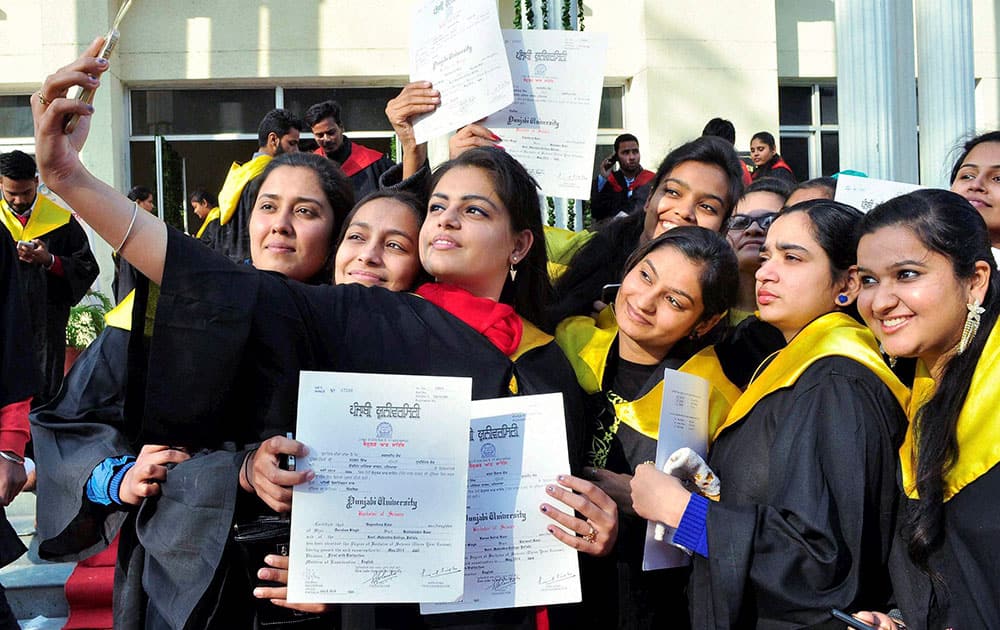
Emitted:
<point x="968" y="563"/>
<point x="808" y="503"/>
<point x="16" y="382"/>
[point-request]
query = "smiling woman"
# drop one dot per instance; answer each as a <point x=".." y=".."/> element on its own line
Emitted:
<point x="676" y="289"/>
<point x="931" y="291"/>
<point x="976" y="176"/>
<point x="697" y="183"/>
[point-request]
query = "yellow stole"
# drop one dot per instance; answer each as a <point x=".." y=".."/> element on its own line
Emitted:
<point x="977" y="431"/>
<point x="560" y="246"/>
<point x="237" y="179"/>
<point x="45" y="217"/>
<point x="121" y="315"/>
<point x="531" y="338"/>
<point x="832" y="335"/>
<point x="213" y="215"/>
<point x="587" y="344"/>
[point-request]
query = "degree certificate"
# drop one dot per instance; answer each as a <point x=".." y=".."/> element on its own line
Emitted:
<point x="384" y="518"/>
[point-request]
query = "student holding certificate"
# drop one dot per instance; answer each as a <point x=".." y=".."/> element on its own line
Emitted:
<point x="806" y="455"/>
<point x="676" y="288"/>
<point x="483" y="243"/>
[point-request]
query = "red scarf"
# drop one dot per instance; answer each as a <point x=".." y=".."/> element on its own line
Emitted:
<point x="496" y="321"/>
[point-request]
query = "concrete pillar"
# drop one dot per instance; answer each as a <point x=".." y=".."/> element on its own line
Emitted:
<point x="946" y="85"/>
<point x="876" y="88"/>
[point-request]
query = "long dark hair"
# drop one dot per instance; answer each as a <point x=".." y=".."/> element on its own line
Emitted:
<point x="336" y="187"/>
<point x="719" y="277"/>
<point x="972" y="143"/>
<point x="531" y="293"/>
<point x="412" y="201"/>
<point x="947" y="224"/>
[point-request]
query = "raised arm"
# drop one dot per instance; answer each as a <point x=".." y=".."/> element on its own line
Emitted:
<point x="58" y="155"/>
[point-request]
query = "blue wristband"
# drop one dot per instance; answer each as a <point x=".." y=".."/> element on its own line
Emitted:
<point x="692" y="531"/>
<point x="109" y="472"/>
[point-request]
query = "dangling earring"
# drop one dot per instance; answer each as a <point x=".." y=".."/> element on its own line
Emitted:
<point x="892" y="359"/>
<point x="842" y="299"/>
<point x="513" y="269"/>
<point x="971" y="325"/>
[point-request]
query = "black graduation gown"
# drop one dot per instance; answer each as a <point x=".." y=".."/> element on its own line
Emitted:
<point x="16" y="382"/>
<point x="49" y="298"/>
<point x="808" y="504"/>
<point x="250" y="333"/>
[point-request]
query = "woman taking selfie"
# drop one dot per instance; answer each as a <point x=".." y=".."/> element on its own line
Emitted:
<point x="805" y="456"/>
<point x="475" y="321"/>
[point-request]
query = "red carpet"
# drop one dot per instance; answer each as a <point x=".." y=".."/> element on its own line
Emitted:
<point x="89" y="589"/>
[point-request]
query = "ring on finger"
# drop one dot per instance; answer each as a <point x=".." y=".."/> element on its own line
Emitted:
<point x="591" y="536"/>
<point x="42" y="99"/>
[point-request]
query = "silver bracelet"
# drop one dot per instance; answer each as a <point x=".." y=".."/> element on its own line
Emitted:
<point x="128" y="232"/>
<point x="12" y="457"/>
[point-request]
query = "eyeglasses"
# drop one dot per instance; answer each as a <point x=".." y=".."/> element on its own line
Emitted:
<point x="742" y="222"/>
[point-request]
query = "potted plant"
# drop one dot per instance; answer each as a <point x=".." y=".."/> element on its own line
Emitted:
<point x="86" y="321"/>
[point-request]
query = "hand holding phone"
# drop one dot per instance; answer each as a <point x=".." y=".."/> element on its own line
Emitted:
<point x="851" y="622"/>
<point x="27" y="244"/>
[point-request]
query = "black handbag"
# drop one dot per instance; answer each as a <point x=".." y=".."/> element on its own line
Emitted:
<point x="267" y="535"/>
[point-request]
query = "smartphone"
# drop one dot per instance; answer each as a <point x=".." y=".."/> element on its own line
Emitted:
<point x="610" y="161"/>
<point x="609" y="292"/>
<point x="850" y="621"/>
<point x="28" y="244"/>
<point x="87" y="96"/>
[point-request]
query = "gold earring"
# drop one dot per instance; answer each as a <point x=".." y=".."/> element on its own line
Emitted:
<point x="513" y="269"/>
<point x="971" y="325"/>
<point x="892" y="359"/>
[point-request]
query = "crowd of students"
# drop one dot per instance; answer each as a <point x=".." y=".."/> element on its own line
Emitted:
<point x="848" y="480"/>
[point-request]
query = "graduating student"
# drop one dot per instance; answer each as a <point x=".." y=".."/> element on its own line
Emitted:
<point x="95" y="470"/>
<point x="676" y="289"/>
<point x="806" y="455"/>
<point x="55" y="266"/>
<point x="930" y="290"/>
<point x="476" y="321"/>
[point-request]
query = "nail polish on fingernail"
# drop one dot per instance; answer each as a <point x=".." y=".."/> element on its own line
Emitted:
<point x="101" y="61"/>
<point x="551" y="529"/>
<point x="499" y="146"/>
<point x="544" y="508"/>
<point x="561" y="477"/>
<point x="90" y="108"/>
<point x="496" y="137"/>
<point x="550" y="488"/>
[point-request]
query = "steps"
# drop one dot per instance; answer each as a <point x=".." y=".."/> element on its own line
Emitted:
<point x="34" y="586"/>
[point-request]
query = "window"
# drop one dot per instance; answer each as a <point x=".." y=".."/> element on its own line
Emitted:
<point x="16" y="129"/>
<point x="807" y="115"/>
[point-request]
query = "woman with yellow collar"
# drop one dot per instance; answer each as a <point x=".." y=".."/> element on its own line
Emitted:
<point x="930" y="290"/>
<point x="805" y="456"/>
<point x="676" y="289"/>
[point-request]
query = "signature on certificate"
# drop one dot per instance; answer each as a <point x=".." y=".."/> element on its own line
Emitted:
<point x="382" y="576"/>
<point x="429" y="573"/>
<point x="503" y="583"/>
<point x="552" y="579"/>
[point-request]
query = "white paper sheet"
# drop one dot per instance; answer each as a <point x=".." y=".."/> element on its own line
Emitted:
<point x="384" y="519"/>
<point x="864" y="193"/>
<point x="457" y="46"/>
<point x="516" y="447"/>
<point x="683" y="422"/>
<point x="551" y="127"/>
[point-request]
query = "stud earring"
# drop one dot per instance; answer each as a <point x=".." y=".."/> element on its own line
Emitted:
<point x="971" y="325"/>
<point x="842" y="299"/>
